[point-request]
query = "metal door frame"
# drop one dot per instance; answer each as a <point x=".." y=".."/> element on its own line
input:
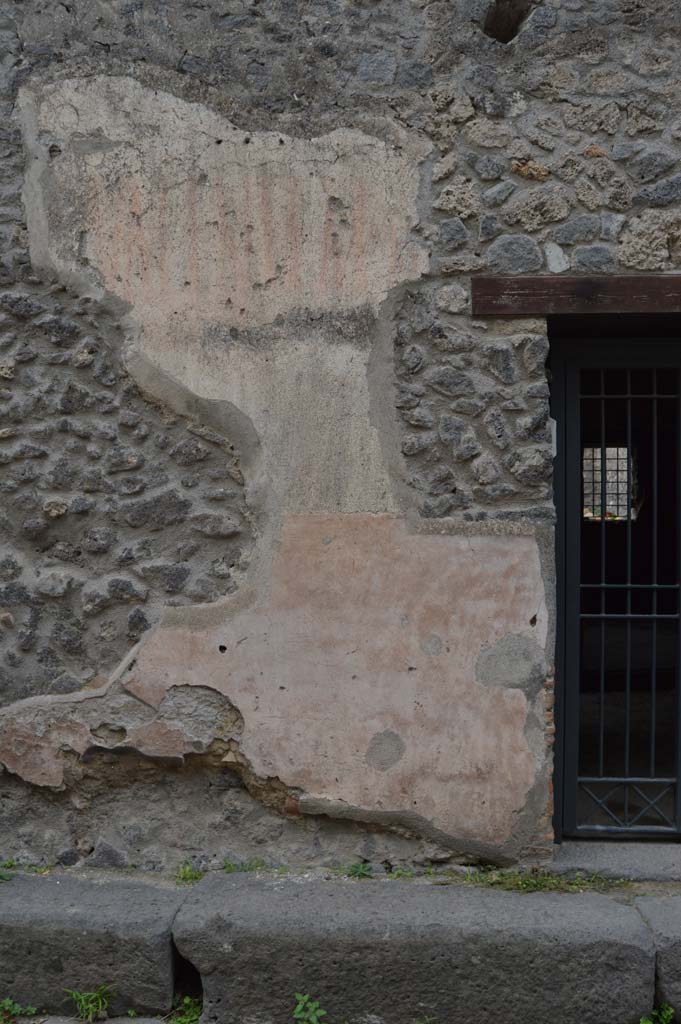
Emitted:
<point x="577" y="342"/>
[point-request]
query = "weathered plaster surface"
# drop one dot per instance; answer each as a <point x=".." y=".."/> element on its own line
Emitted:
<point x="369" y="631"/>
<point x="230" y="246"/>
<point x="373" y="666"/>
<point x="204" y="219"/>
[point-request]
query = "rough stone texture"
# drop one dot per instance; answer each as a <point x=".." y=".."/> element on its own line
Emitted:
<point x="60" y="932"/>
<point x="282" y="205"/>
<point x="663" y="917"/>
<point x="399" y="951"/>
<point x="113" y="506"/>
<point x="399" y="676"/>
<point x="125" y="810"/>
<point x="483" y="391"/>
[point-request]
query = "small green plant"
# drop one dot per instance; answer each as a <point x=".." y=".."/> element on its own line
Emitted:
<point x="307" y="1010"/>
<point x="665" y="1015"/>
<point x="537" y="880"/>
<point x="5" y="866"/>
<point x="186" y="1010"/>
<point x="231" y="867"/>
<point x="9" y="1011"/>
<point x="404" y="873"/>
<point x="426" y="1020"/>
<point x="91" y="1006"/>
<point x="132" y="1013"/>
<point x="255" y="864"/>
<point x="360" y="870"/>
<point x="187" y="874"/>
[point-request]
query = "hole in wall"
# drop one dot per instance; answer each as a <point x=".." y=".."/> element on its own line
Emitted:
<point x="186" y="978"/>
<point x="505" y="18"/>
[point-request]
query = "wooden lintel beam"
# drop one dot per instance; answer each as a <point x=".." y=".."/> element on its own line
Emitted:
<point x="549" y="296"/>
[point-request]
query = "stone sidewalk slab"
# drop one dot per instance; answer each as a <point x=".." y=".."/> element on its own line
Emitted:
<point x="380" y="952"/>
<point x="398" y="952"/>
<point x="652" y="862"/>
<point x="59" y="932"/>
<point x="662" y="914"/>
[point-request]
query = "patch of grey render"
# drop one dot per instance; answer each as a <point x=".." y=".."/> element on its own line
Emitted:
<point x="112" y="507"/>
<point x="516" y="661"/>
<point x="385" y="750"/>
<point x="135" y="812"/>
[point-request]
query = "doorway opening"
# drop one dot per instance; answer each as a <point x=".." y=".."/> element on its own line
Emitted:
<point x="616" y="399"/>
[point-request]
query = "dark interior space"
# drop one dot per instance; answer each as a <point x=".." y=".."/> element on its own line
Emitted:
<point x="622" y="485"/>
<point x="629" y="572"/>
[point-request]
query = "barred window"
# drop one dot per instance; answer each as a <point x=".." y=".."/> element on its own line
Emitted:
<point x="616" y="467"/>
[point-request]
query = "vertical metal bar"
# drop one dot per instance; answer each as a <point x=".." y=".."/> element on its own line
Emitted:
<point x="601" y="710"/>
<point x="627" y="717"/>
<point x="677" y="702"/>
<point x="559" y="413"/>
<point x="653" y="665"/>
<point x="603" y="472"/>
<point x="572" y="511"/>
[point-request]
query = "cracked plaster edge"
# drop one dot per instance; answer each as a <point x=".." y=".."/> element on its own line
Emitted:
<point x="163" y="387"/>
<point x="413" y="824"/>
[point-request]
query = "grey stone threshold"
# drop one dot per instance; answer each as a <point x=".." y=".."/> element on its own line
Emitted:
<point x="658" y="862"/>
<point x="371" y="952"/>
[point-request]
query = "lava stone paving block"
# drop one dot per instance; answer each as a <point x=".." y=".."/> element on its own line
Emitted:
<point x="59" y="932"/>
<point x="663" y="916"/>
<point x="395" y="952"/>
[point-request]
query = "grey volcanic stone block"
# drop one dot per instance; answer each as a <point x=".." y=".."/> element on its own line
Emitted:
<point x="663" y="916"/>
<point x="392" y="952"/>
<point x="60" y="932"/>
<point x="514" y="254"/>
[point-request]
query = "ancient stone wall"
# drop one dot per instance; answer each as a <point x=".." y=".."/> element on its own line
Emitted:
<point x="257" y="225"/>
<point x="113" y="507"/>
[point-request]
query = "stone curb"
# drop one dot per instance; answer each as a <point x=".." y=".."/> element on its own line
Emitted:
<point x="389" y="953"/>
<point x="61" y="932"/>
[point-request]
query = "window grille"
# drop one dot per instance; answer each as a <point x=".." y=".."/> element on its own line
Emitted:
<point x="609" y="483"/>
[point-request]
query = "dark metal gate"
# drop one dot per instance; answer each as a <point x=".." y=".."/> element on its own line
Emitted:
<point x="618" y="471"/>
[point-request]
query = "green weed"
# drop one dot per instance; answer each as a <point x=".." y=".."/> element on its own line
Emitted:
<point x="665" y="1015"/>
<point x="307" y="1011"/>
<point x="537" y="880"/>
<point x="5" y="866"/>
<point x="91" y="1006"/>
<point x="187" y="874"/>
<point x="231" y="867"/>
<point x="9" y="1011"/>
<point x="360" y="870"/>
<point x="404" y="873"/>
<point x="186" y="1011"/>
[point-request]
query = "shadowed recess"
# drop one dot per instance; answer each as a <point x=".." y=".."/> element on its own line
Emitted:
<point x="187" y="980"/>
<point x="505" y="18"/>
